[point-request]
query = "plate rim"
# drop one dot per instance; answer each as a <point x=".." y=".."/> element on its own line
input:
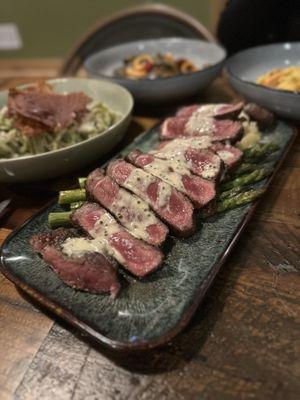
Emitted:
<point x="67" y="315"/>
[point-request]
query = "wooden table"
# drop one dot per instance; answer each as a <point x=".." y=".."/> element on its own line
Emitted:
<point x="243" y="342"/>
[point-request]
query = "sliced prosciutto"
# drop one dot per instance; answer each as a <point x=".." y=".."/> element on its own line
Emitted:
<point x="131" y="211"/>
<point x="170" y="205"/>
<point x="193" y="156"/>
<point x="199" y="190"/>
<point x="111" y="238"/>
<point x="38" y="108"/>
<point x="89" y="271"/>
<point x="196" y="125"/>
<point x="212" y="110"/>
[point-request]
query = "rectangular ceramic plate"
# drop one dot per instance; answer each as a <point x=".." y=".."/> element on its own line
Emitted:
<point x="150" y="312"/>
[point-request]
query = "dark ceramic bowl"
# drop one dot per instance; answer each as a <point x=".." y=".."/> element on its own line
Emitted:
<point x="246" y="66"/>
<point x="162" y="90"/>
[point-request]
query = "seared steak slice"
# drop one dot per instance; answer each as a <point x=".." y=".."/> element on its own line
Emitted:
<point x="194" y="156"/>
<point x="136" y="256"/>
<point x="262" y="116"/>
<point x="199" y="190"/>
<point x="212" y="110"/>
<point x="89" y="271"/>
<point x="196" y="125"/>
<point x="230" y="155"/>
<point x="171" y="206"/>
<point x="131" y="211"/>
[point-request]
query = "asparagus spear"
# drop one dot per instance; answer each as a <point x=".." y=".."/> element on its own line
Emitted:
<point x="71" y="196"/>
<point x="244" y="168"/>
<point x="57" y="219"/>
<point x="246" y="179"/>
<point x="239" y="199"/>
<point x="231" y="192"/>
<point x="259" y="151"/>
<point x="75" y="205"/>
<point x="81" y="182"/>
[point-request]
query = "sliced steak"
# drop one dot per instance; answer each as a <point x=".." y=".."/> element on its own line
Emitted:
<point x="131" y="211"/>
<point x="219" y="130"/>
<point x="198" y="190"/>
<point x="89" y="271"/>
<point x="198" y="159"/>
<point x="230" y="155"/>
<point x="212" y="110"/>
<point x="201" y="142"/>
<point x="171" y="206"/>
<point x="173" y="127"/>
<point x="108" y="236"/>
<point x="262" y="116"/>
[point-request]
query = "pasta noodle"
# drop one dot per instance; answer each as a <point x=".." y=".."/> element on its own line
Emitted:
<point x="14" y="144"/>
<point x="282" y="78"/>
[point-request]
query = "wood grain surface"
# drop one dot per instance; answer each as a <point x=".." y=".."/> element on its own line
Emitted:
<point x="243" y="342"/>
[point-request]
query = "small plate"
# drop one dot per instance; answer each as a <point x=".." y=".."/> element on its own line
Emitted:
<point x="246" y="66"/>
<point x="162" y="90"/>
<point x="148" y="312"/>
<point x="62" y="161"/>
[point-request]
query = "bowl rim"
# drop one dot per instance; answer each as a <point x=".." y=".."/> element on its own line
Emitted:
<point x="282" y="92"/>
<point x="75" y="145"/>
<point x="91" y="57"/>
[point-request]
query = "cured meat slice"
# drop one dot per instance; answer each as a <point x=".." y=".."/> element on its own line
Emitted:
<point x="38" y="109"/>
<point x="131" y="211"/>
<point x="199" y="190"/>
<point x="212" y="110"/>
<point x="170" y="205"/>
<point x="89" y="271"/>
<point x="196" y="125"/>
<point x="111" y="238"/>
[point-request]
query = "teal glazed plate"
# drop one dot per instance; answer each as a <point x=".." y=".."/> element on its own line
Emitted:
<point x="150" y="312"/>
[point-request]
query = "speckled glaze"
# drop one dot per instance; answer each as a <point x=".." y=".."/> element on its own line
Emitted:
<point x="150" y="312"/>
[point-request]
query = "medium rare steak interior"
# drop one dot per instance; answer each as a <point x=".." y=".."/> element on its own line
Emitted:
<point x="112" y="239"/>
<point x="169" y="204"/>
<point x="195" y="155"/>
<point x="198" y="190"/>
<point x="131" y="211"/>
<point x="89" y="271"/>
<point x="196" y="125"/>
<point x="212" y="110"/>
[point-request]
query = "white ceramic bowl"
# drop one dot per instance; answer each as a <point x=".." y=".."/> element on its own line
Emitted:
<point x="161" y="90"/>
<point x="246" y="66"/>
<point x="58" y="162"/>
